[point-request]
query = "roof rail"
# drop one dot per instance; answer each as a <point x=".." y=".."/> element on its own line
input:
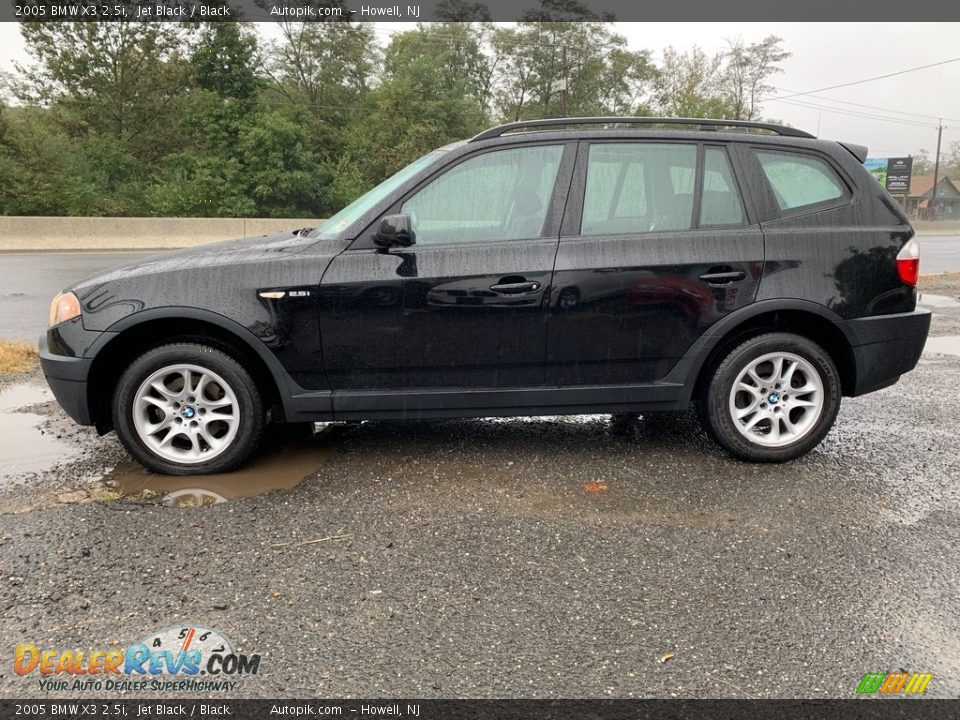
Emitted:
<point x="699" y="123"/>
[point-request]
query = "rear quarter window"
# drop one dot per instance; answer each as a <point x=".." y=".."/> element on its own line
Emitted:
<point x="800" y="181"/>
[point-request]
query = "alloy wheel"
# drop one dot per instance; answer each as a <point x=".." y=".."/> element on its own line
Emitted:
<point x="776" y="399"/>
<point x="186" y="413"/>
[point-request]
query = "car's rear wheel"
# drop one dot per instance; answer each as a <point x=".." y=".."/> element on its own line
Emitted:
<point x="772" y="398"/>
<point x="187" y="409"/>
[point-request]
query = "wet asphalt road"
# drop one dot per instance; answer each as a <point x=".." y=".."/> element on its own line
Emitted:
<point x="30" y="280"/>
<point x="939" y="253"/>
<point x="536" y="558"/>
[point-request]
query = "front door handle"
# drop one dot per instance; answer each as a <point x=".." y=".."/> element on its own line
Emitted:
<point x="516" y="287"/>
<point x="723" y="278"/>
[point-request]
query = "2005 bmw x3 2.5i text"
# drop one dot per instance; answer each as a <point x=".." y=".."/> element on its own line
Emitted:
<point x="564" y="266"/>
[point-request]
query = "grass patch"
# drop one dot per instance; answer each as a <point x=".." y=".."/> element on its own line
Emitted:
<point x="16" y="356"/>
<point x="105" y="494"/>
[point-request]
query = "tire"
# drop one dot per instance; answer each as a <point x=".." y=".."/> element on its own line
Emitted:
<point x="171" y="431"/>
<point x="768" y="419"/>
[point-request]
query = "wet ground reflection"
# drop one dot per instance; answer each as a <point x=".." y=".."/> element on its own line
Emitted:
<point x="26" y="448"/>
<point x="283" y="461"/>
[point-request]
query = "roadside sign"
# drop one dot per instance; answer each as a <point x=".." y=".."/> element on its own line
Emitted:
<point x="898" y="175"/>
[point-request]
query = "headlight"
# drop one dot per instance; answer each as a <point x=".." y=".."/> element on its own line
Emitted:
<point x="65" y="306"/>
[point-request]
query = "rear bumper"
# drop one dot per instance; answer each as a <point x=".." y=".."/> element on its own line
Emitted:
<point x="67" y="378"/>
<point x="886" y="346"/>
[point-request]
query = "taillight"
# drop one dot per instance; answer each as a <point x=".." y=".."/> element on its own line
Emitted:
<point x="908" y="262"/>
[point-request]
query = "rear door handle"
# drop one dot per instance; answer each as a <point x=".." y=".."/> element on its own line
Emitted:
<point x="723" y="278"/>
<point x="515" y="288"/>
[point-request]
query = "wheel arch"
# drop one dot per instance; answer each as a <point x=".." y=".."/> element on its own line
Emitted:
<point x="138" y="333"/>
<point x="811" y="320"/>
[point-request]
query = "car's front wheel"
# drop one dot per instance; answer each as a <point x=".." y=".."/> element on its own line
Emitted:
<point x="187" y="409"/>
<point x="772" y="398"/>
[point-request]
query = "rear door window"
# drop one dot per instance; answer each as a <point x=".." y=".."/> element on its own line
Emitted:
<point x="721" y="205"/>
<point x="639" y="187"/>
<point x="800" y="181"/>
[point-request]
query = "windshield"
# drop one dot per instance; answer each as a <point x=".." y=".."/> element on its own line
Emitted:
<point x="346" y="217"/>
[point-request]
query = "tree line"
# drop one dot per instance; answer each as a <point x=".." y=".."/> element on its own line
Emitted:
<point x="164" y="119"/>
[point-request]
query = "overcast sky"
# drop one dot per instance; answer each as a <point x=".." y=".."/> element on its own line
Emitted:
<point x="823" y="54"/>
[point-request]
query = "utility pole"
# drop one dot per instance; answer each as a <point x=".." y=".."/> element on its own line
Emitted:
<point x="936" y="167"/>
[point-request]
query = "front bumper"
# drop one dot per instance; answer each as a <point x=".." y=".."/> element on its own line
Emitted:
<point x="885" y="347"/>
<point x="68" y="379"/>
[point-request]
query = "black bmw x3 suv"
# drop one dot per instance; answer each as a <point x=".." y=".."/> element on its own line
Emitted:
<point x="562" y="266"/>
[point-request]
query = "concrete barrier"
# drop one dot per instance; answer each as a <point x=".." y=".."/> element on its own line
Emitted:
<point x="96" y="233"/>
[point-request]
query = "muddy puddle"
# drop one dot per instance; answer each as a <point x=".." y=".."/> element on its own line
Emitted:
<point x="948" y="345"/>
<point x="280" y="464"/>
<point x="26" y="448"/>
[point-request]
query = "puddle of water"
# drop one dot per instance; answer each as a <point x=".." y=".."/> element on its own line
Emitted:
<point x="194" y="497"/>
<point x="278" y="466"/>
<point x="25" y="449"/>
<point x="938" y="301"/>
<point x="949" y="345"/>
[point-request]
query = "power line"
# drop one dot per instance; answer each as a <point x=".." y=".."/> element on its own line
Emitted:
<point x="854" y="113"/>
<point x="866" y="80"/>
<point x="869" y="107"/>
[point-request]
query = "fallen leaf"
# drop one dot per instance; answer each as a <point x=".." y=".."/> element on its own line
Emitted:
<point x="595" y="487"/>
<point x="666" y="657"/>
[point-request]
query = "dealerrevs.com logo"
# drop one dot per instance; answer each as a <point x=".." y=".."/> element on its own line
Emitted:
<point x="189" y="658"/>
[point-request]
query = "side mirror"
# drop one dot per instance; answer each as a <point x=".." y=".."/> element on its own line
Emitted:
<point x="394" y="231"/>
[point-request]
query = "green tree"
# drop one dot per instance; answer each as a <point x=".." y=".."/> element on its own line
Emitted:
<point x="118" y="79"/>
<point x="224" y="62"/>
<point x="194" y="185"/>
<point x="283" y="174"/>
<point x="555" y="69"/>
<point x="34" y="167"/>
<point x="103" y="179"/>
<point x="10" y="169"/>
<point x="432" y="93"/>
<point x="237" y="158"/>
<point x="692" y="84"/>
<point x="951" y="162"/>
<point x="325" y="71"/>
<point x="923" y="163"/>
<point x="748" y="69"/>
<point x="192" y="119"/>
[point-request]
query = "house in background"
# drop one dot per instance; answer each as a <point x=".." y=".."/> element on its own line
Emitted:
<point x="920" y="204"/>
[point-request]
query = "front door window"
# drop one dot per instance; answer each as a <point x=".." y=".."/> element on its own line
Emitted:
<point x="501" y="195"/>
